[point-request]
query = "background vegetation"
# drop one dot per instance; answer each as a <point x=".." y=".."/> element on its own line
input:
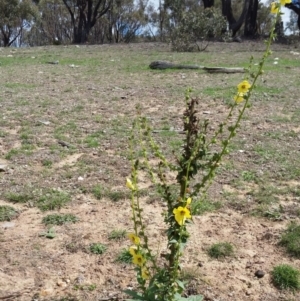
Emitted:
<point x="44" y="22"/>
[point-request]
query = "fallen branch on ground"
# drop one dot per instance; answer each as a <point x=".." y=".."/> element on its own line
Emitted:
<point x="162" y="65"/>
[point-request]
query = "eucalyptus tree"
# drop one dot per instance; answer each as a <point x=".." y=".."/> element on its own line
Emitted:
<point x="126" y="19"/>
<point x="84" y="15"/>
<point x="15" y="16"/>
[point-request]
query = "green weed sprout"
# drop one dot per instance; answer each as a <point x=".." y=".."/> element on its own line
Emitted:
<point x="201" y="155"/>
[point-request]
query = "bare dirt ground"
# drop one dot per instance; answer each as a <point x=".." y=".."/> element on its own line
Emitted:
<point x="87" y="101"/>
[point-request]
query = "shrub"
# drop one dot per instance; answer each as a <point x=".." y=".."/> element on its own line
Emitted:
<point x="291" y="239"/>
<point x="53" y="199"/>
<point x="59" y="219"/>
<point x="124" y="256"/>
<point x="221" y="249"/>
<point x="286" y="277"/>
<point x="195" y="27"/>
<point x="7" y="213"/>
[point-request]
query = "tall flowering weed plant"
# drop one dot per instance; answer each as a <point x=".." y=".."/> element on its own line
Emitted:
<point x="158" y="275"/>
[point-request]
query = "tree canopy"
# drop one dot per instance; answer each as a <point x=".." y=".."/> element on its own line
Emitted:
<point x="41" y="22"/>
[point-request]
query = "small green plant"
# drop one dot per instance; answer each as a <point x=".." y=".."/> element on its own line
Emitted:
<point x="74" y="246"/>
<point x="116" y="195"/>
<point x="199" y="207"/>
<point x="85" y="287"/>
<point x="117" y="234"/>
<point x="222" y="249"/>
<point x="53" y="199"/>
<point x="187" y="274"/>
<point x="286" y="277"/>
<point x="291" y="239"/>
<point x="59" y="219"/>
<point x="98" y="248"/>
<point x="124" y="256"/>
<point x="18" y="197"/>
<point x="98" y="192"/>
<point x="11" y="153"/>
<point x="47" y="163"/>
<point x="7" y="213"/>
<point x="248" y="176"/>
<point x="50" y="233"/>
<point x="91" y="141"/>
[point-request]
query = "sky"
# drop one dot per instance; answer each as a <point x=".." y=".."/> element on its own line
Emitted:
<point x="285" y="17"/>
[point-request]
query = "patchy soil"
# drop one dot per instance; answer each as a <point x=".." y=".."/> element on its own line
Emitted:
<point x="66" y="127"/>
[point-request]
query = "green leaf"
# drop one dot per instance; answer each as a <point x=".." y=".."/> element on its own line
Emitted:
<point x="134" y="294"/>
<point x="180" y="284"/>
<point x="190" y="298"/>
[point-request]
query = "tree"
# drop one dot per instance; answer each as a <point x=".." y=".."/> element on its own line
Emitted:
<point x="264" y="19"/>
<point x="292" y="24"/>
<point x="126" y="18"/>
<point x="296" y="8"/>
<point x="250" y="28"/>
<point x="208" y="3"/>
<point x="15" y="15"/>
<point x="54" y="25"/>
<point x="234" y="25"/>
<point x="84" y="15"/>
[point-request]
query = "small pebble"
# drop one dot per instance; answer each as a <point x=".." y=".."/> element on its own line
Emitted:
<point x="259" y="273"/>
<point x="3" y="167"/>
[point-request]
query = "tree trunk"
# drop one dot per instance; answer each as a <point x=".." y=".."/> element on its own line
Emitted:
<point x="208" y="3"/>
<point x="250" y="29"/>
<point x="234" y="25"/>
<point x="84" y="15"/>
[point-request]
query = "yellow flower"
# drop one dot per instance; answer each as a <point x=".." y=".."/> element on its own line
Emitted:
<point x="129" y="184"/>
<point x="243" y="87"/>
<point x="181" y="214"/>
<point x="188" y="201"/>
<point x="274" y="8"/>
<point x="145" y="273"/>
<point x="133" y="250"/>
<point x="239" y="97"/>
<point x="138" y="259"/>
<point x="133" y="238"/>
<point x="283" y="2"/>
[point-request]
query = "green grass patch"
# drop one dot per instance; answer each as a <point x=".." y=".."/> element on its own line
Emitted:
<point x="286" y="277"/>
<point x="291" y="239"/>
<point x="59" y="219"/>
<point x="117" y="195"/>
<point x="269" y="213"/>
<point x="91" y="141"/>
<point x="7" y="213"/>
<point x="124" y="256"/>
<point x="248" y="176"/>
<point x="219" y="92"/>
<point x="85" y="287"/>
<point x="18" y="197"/>
<point x="202" y="206"/>
<point x="97" y="248"/>
<point x="98" y="191"/>
<point x="189" y="273"/>
<point x="117" y="234"/>
<point x="52" y="200"/>
<point x="222" y="249"/>
<point x="19" y="86"/>
<point x="47" y="163"/>
<point x="266" y="194"/>
<point x="11" y="153"/>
